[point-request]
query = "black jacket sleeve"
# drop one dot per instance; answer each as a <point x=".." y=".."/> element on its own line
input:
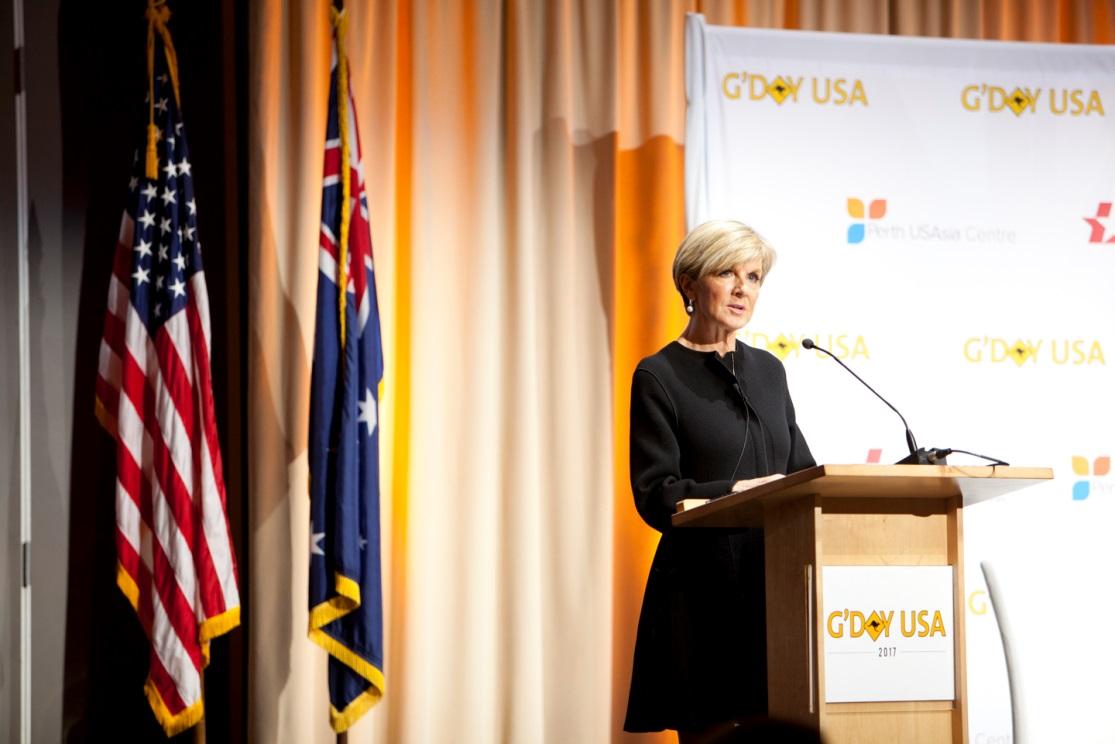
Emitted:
<point x="656" y="455"/>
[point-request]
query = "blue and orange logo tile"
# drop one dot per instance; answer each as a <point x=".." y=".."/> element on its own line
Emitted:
<point x="876" y="210"/>
<point x="1098" y="468"/>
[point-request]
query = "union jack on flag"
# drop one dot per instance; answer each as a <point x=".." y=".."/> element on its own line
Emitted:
<point x="346" y="609"/>
<point x="175" y="559"/>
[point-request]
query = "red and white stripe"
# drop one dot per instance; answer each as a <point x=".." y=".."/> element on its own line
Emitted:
<point x="172" y="533"/>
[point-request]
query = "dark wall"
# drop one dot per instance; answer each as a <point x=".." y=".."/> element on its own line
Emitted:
<point x="86" y="78"/>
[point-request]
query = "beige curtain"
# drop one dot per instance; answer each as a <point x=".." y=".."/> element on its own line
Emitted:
<point x="524" y="162"/>
<point x="488" y="132"/>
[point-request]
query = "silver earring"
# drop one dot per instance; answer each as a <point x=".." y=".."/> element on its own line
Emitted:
<point x="689" y="307"/>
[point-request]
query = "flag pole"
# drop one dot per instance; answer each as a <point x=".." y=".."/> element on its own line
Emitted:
<point x="199" y="728"/>
<point x="339" y="25"/>
<point x="339" y="22"/>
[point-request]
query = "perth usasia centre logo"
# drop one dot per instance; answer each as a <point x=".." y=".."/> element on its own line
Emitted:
<point x="876" y="210"/>
<point x="870" y="224"/>
<point x="1088" y="475"/>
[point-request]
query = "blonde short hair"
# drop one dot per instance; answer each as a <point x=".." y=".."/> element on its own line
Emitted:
<point x="717" y="245"/>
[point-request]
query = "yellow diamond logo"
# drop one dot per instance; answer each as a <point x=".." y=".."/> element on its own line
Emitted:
<point x="1019" y="101"/>
<point x="1020" y="352"/>
<point x="779" y="89"/>
<point x="781" y="347"/>
<point x="874" y="626"/>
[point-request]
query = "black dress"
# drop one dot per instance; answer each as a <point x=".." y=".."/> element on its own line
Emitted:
<point x="697" y="426"/>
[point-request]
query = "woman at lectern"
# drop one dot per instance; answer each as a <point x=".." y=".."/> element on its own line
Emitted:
<point x="709" y="415"/>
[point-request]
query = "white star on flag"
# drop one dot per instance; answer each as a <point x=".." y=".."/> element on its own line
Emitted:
<point x="149" y="190"/>
<point x="315" y="541"/>
<point x="147" y="220"/>
<point x="143" y="248"/>
<point x="140" y="275"/>
<point x="179" y="288"/>
<point x="367" y="411"/>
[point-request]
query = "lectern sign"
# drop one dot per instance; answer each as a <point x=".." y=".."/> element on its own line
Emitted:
<point x="888" y="633"/>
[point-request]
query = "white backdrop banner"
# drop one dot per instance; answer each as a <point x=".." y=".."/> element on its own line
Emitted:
<point x="942" y="211"/>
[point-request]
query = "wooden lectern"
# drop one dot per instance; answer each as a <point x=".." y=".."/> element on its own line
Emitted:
<point x="856" y="515"/>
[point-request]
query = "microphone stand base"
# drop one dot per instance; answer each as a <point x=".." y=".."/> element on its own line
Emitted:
<point x="923" y="457"/>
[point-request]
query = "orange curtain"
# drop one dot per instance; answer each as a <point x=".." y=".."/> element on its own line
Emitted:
<point x="524" y="161"/>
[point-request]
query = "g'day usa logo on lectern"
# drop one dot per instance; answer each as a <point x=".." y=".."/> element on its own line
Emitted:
<point x="888" y="633"/>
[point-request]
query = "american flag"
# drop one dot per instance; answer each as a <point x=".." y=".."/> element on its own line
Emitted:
<point x="175" y="560"/>
<point x="346" y="611"/>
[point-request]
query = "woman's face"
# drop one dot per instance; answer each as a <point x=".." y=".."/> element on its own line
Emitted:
<point x="726" y="299"/>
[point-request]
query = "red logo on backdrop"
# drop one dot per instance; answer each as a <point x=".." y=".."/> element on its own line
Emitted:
<point x="1098" y="228"/>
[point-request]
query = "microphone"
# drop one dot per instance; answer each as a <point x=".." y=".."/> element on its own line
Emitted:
<point x="762" y="431"/>
<point x="917" y="455"/>
<point x="747" y="408"/>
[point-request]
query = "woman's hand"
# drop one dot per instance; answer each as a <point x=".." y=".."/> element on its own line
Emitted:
<point x="743" y="485"/>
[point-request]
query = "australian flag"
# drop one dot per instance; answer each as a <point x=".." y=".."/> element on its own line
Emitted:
<point x="346" y="607"/>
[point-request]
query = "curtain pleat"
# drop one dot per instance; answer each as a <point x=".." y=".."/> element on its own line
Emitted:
<point x="489" y="140"/>
<point x="524" y="164"/>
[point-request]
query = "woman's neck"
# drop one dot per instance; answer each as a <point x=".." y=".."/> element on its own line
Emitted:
<point x="701" y="339"/>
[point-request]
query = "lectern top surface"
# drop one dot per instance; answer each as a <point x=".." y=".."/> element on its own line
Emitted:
<point x="896" y="482"/>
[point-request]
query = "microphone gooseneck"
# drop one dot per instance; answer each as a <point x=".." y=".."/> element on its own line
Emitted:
<point x="911" y="442"/>
<point x="917" y="456"/>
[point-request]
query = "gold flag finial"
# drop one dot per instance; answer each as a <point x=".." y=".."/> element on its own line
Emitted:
<point x="157" y="16"/>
